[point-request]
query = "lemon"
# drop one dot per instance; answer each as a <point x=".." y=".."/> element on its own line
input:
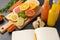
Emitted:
<point x="24" y="6"/>
<point x="8" y="16"/>
<point x="12" y="17"/>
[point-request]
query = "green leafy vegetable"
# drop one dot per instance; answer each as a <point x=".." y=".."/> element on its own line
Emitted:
<point x="5" y="9"/>
<point x="22" y="14"/>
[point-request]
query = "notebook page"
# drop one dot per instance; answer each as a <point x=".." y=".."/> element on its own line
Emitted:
<point x="47" y="33"/>
<point x="23" y="35"/>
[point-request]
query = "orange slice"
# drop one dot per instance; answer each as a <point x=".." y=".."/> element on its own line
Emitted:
<point x="36" y="1"/>
<point x="32" y="5"/>
<point x="24" y="6"/>
<point x="30" y="13"/>
<point x="12" y="16"/>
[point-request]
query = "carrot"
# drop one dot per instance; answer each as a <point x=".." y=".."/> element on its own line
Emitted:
<point x="30" y="13"/>
<point x="15" y="5"/>
<point x="11" y="28"/>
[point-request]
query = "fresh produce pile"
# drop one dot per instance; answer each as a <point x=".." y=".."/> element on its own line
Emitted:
<point x="22" y="13"/>
<point x="24" y="10"/>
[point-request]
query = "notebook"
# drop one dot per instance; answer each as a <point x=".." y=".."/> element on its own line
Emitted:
<point x="45" y="33"/>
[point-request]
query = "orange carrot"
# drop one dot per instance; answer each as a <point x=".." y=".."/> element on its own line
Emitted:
<point x="11" y="28"/>
<point x="15" y="5"/>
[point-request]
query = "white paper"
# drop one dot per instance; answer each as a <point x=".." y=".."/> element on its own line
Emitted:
<point x="47" y="33"/>
<point x="23" y="35"/>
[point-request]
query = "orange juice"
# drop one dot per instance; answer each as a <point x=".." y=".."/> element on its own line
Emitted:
<point x="59" y="7"/>
<point x="44" y="10"/>
<point x="53" y="15"/>
<point x="59" y="4"/>
<point x="58" y="1"/>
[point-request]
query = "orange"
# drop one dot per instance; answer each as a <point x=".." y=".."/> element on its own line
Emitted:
<point x="24" y="6"/>
<point x="32" y="5"/>
<point x="30" y="13"/>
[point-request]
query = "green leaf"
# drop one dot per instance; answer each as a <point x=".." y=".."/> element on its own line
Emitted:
<point x="22" y="14"/>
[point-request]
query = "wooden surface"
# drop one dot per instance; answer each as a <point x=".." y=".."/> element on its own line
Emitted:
<point x="7" y="36"/>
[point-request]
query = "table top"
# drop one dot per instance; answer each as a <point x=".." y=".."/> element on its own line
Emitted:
<point x="7" y="36"/>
